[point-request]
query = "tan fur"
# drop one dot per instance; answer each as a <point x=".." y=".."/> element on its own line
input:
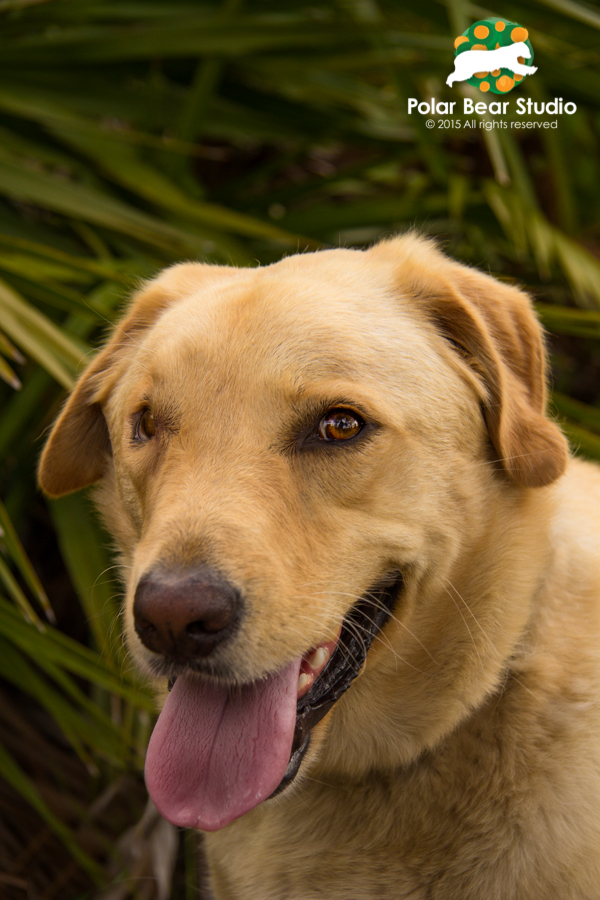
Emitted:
<point x="464" y="762"/>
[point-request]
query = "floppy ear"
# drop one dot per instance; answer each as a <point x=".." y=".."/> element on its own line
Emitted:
<point x="79" y="449"/>
<point x="76" y="452"/>
<point x="494" y="328"/>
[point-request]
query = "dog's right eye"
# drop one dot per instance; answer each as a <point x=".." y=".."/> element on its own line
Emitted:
<point x="340" y="425"/>
<point x="145" y="427"/>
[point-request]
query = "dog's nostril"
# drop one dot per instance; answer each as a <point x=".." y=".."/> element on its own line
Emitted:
<point x="186" y="614"/>
<point x="210" y="625"/>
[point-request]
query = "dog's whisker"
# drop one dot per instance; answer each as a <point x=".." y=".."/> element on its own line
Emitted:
<point x="394" y="618"/>
<point x="524" y="686"/>
<point x="378" y="604"/>
<point x="383" y="639"/>
<point x="466" y="624"/>
<point x="501" y="692"/>
<point x="473" y="616"/>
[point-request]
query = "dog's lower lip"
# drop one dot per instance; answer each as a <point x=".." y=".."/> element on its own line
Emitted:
<point x="366" y="618"/>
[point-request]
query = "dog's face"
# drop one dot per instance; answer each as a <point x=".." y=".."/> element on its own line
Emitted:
<point x="521" y="49"/>
<point x="296" y="462"/>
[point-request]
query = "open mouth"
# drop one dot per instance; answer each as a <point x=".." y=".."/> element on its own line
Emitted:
<point x="362" y="624"/>
<point x="217" y="752"/>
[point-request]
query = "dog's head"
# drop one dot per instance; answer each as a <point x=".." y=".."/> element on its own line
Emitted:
<point x="296" y="461"/>
<point x="520" y="49"/>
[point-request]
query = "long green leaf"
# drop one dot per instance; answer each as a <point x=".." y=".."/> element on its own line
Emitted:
<point x="70" y="262"/>
<point x="207" y="34"/>
<point x="579" y="11"/>
<point x="87" y="734"/>
<point x="582" y="413"/>
<point x="14" y="774"/>
<point x="11" y="352"/>
<point x="83" y="550"/>
<point x="12" y="586"/>
<point x="33" y="344"/>
<point x="8" y="375"/>
<point x="86" y="203"/>
<point x="565" y="320"/>
<point x="68" y="350"/>
<point x="17" y="553"/>
<point x="56" y="648"/>
<point x="582" y="440"/>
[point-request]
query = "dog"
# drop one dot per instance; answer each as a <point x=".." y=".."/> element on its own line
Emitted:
<point x="358" y="552"/>
<point x="470" y="62"/>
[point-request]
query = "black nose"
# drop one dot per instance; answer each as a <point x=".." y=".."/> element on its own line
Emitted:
<point x="185" y="614"/>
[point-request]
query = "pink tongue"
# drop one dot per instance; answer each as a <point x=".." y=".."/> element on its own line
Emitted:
<point x="215" y="754"/>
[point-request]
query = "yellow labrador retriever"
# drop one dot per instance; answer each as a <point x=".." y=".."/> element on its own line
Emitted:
<point x="356" y="549"/>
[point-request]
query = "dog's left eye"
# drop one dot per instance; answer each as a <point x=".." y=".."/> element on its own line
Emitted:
<point x="145" y="427"/>
<point x="340" y="425"/>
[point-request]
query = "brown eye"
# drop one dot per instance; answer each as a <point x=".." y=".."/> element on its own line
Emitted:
<point x="146" y="426"/>
<point x="340" y="425"/>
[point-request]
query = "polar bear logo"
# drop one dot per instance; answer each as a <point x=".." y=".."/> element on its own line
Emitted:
<point x="471" y="62"/>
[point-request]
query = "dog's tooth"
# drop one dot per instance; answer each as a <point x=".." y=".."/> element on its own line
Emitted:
<point x="303" y="681"/>
<point x="318" y="658"/>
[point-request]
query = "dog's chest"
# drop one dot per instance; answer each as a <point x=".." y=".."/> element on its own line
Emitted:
<point x="350" y="844"/>
<point x="309" y="872"/>
<point x="451" y="826"/>
<point x="313" y="846"/>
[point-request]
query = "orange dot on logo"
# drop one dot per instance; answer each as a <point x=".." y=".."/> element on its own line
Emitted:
<point x="484" y="86"/>
<point x="481" y="32"/>
<point x="519" y="34"/>
<point x="505" y="84"/>
<point x="460" y="40"/>
<point x="496" y="72"/>
<point x="499" y="26"/>
<point x="518" y="78"/>
<point x="478" y="47"/>
<point x="481" y="74"/>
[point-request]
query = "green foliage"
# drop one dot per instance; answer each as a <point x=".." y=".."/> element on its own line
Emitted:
<point x="134" y="134"/>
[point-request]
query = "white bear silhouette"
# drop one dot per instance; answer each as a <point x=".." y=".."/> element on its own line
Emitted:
<point x="469" y="62"/>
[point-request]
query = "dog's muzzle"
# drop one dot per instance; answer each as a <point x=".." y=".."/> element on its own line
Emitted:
<point x="218" y="750"/>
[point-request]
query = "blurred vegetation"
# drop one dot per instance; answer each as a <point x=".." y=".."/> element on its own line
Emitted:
<point x="134" y="133"/>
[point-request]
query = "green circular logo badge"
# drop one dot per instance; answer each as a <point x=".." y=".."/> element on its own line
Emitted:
<point x="495" y="34"/>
